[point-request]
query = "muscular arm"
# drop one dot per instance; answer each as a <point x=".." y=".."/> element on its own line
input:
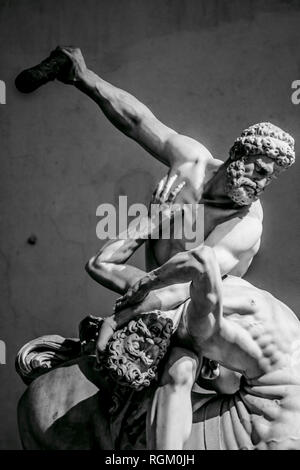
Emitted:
<point x="132" y="117"/>
<point x="108" y="266"/>
<point x="222" y="338"/>
<point x="230" y="241"/>
<point x="136" y="121"/>
<point x="128" y="114"/>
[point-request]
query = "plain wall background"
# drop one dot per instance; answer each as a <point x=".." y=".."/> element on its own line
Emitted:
<point x="207" y="68"/>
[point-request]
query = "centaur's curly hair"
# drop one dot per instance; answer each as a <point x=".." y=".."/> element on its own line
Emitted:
<point x="126" y="362"/>
<point x="265" y="139"/>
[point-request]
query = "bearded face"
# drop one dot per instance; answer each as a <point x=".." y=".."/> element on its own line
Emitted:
<point x="134" y="352"/>
<point x="248" y="177"/>
<point x="242" y="190"/>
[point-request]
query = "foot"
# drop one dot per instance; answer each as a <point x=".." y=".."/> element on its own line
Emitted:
<point x="63" y="64"/>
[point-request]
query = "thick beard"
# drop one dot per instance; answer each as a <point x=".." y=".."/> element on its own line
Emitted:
<point x="242" y="195"/>
<point x="243" y="191"/>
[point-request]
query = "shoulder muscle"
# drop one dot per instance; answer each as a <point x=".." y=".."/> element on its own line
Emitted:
<point x="179" y="149"/>
<point x="238" y="234"/>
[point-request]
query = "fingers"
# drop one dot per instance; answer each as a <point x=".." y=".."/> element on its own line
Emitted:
<point x="162" y="192"/>
<point x="175" y="192"/>
<point x="121" y="303"/>
<point x="134" y="295"/>
<point x="66" y="50"/>
<point x="158" y="189"/>
<point x="125" y="300"/>
<point x="167" y="188"/>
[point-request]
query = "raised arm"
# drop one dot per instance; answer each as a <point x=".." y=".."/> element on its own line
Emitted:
<point x="132" y="117"/>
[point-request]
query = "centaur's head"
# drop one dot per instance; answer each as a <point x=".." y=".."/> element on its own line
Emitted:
<point x="134" y="352"/>
<point x="261" y="153"/>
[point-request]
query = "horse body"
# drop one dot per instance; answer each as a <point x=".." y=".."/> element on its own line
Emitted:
<point x="72" y="405"/>
<point x="66" y="408"/>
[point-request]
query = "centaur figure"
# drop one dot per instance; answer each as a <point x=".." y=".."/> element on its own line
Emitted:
<point x="81" y="405"/>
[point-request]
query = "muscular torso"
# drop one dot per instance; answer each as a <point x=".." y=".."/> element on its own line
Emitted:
<point x="264" y="346"/>
<point x="258" y="336"/>
<point x="211" y="217"/>
<point x="265" y="341"/>
<point x="267" y="351"/>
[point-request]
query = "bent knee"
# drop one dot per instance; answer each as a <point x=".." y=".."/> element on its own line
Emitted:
<point x="180" y="374"/>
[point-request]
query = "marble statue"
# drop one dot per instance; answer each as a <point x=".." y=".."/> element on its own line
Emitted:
<point x="110" y="406"/>
<point x="187" y="302"/>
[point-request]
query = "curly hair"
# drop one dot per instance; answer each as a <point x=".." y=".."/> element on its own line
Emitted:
<point x="265" y="139"/>
<point x="132" y="366"/>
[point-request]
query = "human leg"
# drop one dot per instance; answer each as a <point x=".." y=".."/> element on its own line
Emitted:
<point x="170" y="418"/>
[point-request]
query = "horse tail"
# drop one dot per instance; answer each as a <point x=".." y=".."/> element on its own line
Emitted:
<point x="42" y="354"/>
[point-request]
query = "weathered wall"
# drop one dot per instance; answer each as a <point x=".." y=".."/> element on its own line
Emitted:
<point x="208" y="68"/>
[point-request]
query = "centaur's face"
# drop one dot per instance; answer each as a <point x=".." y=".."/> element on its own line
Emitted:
<point x="140" y="350"/>
<point x="249" y="176"/>
<point x="134" y="351"/>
